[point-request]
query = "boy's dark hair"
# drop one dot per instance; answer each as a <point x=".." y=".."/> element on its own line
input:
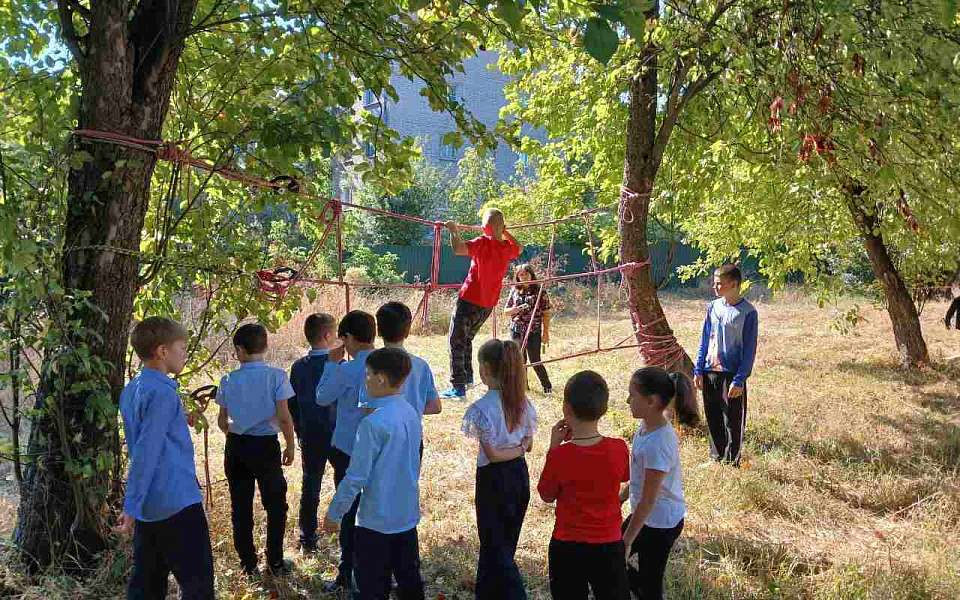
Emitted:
<point x="393" y="322"/>
<point x="317" y="324"/>
<point x="252" y="337"/>
<point x="587" y="394"/>
<point x="729" y="271"/>
<point x="392" y="362"/>
<point x="153" y="332"/>
<point x="361" y="325"/>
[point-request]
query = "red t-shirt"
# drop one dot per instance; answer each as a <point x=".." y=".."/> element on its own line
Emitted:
<point x="585" y="480"/>
<point x="489" y="260"/>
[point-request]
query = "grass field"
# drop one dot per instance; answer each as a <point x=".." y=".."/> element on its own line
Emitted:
<point x="850" y="487"/>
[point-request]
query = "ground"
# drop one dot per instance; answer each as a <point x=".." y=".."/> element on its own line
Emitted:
<point x="850" y="486"/>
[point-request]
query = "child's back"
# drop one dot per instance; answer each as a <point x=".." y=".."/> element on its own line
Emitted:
<point x="585" y="480"/>
<point x="250" y="394"/>
<point x="308" y="416"/>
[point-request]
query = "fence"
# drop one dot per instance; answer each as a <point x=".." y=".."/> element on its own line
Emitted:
<point x="415" y="261"/>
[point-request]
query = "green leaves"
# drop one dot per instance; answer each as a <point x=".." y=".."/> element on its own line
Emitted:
<point x="599" y="40"/>
<point x="511" y="11"/>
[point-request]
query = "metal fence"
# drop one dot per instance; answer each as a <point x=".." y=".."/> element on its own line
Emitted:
<point x="414" y="261"/>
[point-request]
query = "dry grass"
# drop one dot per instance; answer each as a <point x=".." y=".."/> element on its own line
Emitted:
<point x="850" y="489"/>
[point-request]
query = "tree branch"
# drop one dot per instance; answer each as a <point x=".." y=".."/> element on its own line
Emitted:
<point x="68" y="32"/>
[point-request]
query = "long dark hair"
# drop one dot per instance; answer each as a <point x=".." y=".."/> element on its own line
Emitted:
<point x="533" y="277"/>
<point x="506" y="363"/>
<point x="667" y="387"/>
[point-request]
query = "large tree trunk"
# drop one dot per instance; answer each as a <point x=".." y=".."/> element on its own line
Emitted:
<point x="127" y="66"/>
<point x="639" y="173"/>
<point x="903" y="312"/>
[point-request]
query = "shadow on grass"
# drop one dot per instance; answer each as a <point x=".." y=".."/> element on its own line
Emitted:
<point x="890" y="371"/>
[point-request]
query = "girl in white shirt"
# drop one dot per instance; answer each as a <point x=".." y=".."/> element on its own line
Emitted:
<point x="655" y="489"/>
<point x="503" y="421"/>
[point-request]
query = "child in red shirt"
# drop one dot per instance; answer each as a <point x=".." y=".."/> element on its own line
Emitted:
<point x="490" y="255"/>
<point x="583" y="473"/>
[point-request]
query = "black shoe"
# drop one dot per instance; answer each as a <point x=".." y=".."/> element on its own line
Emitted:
<point x="284" y="567"/>
<point x="250" y="572"/>
<point x="309" y="547"/>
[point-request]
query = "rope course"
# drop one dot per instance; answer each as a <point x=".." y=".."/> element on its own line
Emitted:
<point x="274" y="283"/>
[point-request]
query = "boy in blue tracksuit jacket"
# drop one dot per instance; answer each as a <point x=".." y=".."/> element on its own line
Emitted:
<point x="385" y="467"/>
<point x="312" y="423"/>
<point x="342" y="384"/>
<point x="162" y="506"/>
<point x="728" y="346"/>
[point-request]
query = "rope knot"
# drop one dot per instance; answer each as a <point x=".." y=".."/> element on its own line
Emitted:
<point x="173" y="152"/>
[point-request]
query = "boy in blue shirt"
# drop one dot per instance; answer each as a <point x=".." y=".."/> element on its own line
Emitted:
<point x="394" y="320"/>
<point x="385" y="467"/>
<point x="343" y="383"/>
<point x="162" y="506"/>
<point x="253" y="407"/>
<point x="728" y="346"/>
<point x="312" y="423"/>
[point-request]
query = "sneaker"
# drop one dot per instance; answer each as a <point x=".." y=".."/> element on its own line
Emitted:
<point x="548" y="391"/>
<point x="308" y="547"/>
<point x="251" y="572"/>
<point x="458" y="392"/>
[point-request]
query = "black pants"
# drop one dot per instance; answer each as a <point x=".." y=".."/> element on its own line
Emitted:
<point x="341" y="462"/>
<point x="467" y="320"/>
<point x="726" y="417"/>
<point x="503" y="493"/>
<point x="652" y="546"/>
<point x="534" y="347"/>
<point x="380" y="555"/>
<point x="315" y="451"/>
<point x="255" y="460"/>
<point x="179" y="544"/>
<point x="575" y="566"/>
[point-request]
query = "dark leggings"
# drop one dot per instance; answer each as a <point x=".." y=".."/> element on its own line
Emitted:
<point x="653" y="545"/>
<point x="534" y="347"/>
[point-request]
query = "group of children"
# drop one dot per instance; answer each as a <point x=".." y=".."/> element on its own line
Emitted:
<point x="361" y="408"/>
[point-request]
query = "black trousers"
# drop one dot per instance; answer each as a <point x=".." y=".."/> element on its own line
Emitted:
<point x="576" y="566"/>
<point x="341" y="462"/>
<point x="726" y="417"/>
<point x="255" y="460"/>
<point x="652" y="546"/>
<point x="180" y="545"/>
<point x="534" y="348"/>
<point x="467" y="320"/>
<point x="503" y="493"/>
<point x="380" y="555"/>
<point x="315" y="451"/>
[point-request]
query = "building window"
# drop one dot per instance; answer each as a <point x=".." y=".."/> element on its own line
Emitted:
<point x="524" y="159"/>
<point x="369" y="150"/>
<point x="447" y="152"/>
<point x="369" y="98"/>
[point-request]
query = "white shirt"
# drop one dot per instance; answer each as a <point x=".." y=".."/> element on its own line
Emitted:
<point x="658" y="450"/>
<point x="484" y="421"/>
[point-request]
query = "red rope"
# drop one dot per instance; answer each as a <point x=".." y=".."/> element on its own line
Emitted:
<point x="655" y="349"/>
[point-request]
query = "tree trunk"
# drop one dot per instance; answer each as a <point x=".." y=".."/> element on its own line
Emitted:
<point x="903" y="312"/>
<point x="127" y="67"/>
<point x="639" y="173"/>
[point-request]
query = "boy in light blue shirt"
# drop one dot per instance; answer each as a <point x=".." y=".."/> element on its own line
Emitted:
<point x="162" y="506"/>
<point x="343" y="384"/>
<point x="394" y="321"/>
<point x="385" y="467"/>
<point x="253" y="408"/>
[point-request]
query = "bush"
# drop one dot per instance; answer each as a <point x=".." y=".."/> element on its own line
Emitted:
<point x="365" y="266"/>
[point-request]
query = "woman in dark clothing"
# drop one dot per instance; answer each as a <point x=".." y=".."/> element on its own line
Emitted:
<point x="520" y="308"/>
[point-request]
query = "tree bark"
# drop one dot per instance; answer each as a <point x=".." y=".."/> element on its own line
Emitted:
<point x="639" y="174"/>
<point x="900" y="306"/>
<point x="127" y="64"/>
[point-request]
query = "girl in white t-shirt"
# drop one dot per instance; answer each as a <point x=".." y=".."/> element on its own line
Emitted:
<point x="655" y="490"/>
<point x="503" y="421"/>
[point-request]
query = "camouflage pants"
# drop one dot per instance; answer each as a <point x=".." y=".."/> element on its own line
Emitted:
<point x="467" y="320"/>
